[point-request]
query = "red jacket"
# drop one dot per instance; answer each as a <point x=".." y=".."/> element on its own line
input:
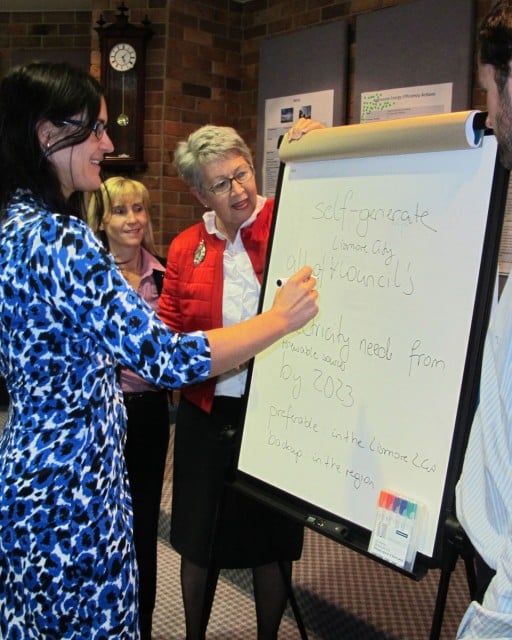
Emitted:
<point x="191" y="297"/>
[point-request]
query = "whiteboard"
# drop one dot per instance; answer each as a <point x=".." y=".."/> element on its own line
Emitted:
<point x="365" y="397"/>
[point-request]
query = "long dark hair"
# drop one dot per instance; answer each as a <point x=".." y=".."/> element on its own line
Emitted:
<point x="28" y="95"/>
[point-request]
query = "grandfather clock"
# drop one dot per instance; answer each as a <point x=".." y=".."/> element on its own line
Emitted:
<point x="123" y="59"/>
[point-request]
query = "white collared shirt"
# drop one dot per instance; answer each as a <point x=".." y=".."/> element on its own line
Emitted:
<point x="241" y="293"/>
<point x="484" y="490"/>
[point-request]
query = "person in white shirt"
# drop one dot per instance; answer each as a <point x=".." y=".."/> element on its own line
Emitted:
<point x="484" y="490"/>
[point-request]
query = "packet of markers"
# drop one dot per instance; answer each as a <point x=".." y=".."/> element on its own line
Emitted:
<point x="395" y="534"/>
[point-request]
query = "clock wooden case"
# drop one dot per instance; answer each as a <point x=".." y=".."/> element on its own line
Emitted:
<point x="123" y="59"/>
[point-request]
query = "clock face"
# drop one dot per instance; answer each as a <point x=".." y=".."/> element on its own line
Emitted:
<point x="122" y="56"/>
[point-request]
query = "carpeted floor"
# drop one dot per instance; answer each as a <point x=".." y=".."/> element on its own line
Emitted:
<point x="341" y="594"/>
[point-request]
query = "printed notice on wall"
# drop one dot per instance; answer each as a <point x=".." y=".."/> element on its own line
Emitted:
<point x="280" y="114"/>
<point x="406" y="102"/>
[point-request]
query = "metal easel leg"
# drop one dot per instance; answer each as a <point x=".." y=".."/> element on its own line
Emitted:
<point x="293" y="603"/>
<point x="457" y="544"/>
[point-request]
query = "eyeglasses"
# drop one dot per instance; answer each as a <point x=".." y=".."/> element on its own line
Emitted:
<point x="226" y="184"/>
<point x="99" y="127"/>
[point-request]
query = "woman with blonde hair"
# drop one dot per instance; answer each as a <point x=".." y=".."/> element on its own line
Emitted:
<point x="119" y="215"/>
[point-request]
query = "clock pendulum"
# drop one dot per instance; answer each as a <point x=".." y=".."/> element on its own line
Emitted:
<point x="122" y="119"/>
<point x="123" y="55"/>
<point x="122" y="58"/>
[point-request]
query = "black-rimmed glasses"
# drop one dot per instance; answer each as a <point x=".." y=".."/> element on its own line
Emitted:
<point x="99" y="127"/>
<point x="226" y="184"/>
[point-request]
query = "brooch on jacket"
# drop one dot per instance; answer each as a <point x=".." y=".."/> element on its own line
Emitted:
<point x="199" y="253"/>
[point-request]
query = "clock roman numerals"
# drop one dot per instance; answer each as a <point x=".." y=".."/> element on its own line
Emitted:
<point x="122" y="57"/>
<point x="123" y="60"/>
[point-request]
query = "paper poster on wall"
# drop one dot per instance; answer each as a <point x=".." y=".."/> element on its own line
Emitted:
<point x="406" y="102"/>
<point x="280" y="114"/>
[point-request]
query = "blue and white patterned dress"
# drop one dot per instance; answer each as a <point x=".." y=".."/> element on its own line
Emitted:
<point x="67" y="318"/>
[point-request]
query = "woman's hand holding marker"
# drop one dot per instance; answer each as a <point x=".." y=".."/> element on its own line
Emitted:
<point x="280" y="282"/>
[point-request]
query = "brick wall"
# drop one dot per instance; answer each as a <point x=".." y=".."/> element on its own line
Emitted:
<point x="211" y="74"/>
<point x="202" y="66"/>
<point x="54" y="35"/>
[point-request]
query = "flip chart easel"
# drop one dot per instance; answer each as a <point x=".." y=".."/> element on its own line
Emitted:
<point x="401" y="222"/>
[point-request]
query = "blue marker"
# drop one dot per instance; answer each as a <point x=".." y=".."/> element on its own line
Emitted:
<point x="403" y="507"/>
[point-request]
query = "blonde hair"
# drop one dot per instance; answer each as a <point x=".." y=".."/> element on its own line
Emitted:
<point x="113" y="190"/>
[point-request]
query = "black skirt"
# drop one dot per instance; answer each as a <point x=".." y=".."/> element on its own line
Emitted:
<point x="213" y="524"/>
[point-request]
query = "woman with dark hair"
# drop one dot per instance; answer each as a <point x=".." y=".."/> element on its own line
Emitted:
<point x="68" y="318"/>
